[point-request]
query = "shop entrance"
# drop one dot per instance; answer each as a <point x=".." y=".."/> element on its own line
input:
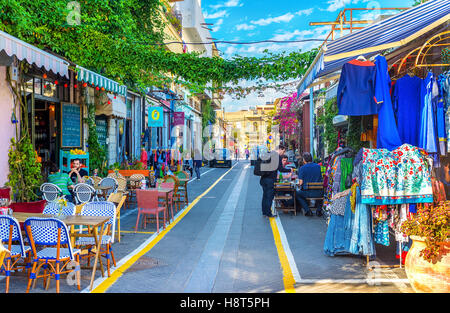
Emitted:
<point x="45" y="131"/>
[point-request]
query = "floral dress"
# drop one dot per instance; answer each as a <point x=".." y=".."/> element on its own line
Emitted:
<point x="396" y="177"/>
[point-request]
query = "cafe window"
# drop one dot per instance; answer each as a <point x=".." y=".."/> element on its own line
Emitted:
<point x="49" y="89"/>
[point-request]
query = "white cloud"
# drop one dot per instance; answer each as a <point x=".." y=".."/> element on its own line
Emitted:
<point x="227" y="4"/>
<point x="289" y="35"/>
<point x="335" y="5"/>
<point x="217" y="14"/>
<point x="305" y="11"/>
<point x="266" y="21"/>
<point x="217" y="25"/>
<point x="245" y="27"/>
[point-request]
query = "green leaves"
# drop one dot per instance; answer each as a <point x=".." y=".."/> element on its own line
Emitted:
<point x="119" y="39"/>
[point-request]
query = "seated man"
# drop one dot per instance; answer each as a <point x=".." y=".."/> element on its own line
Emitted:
<point x="62" y="180"/>
<point x="284" y="162"/>
<point x="77" y="172"/>
<point x="308" y="173"/>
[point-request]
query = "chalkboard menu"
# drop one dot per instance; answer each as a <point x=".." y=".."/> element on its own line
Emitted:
<point x="70" y="125"/>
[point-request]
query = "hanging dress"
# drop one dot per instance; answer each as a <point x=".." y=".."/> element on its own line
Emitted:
<point x="428" y="133"/>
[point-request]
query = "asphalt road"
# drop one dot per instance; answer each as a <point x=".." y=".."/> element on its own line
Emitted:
<point x="221" y="243"/>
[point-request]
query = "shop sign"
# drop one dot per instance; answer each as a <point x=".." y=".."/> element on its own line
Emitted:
<point x="178" y="118"/>
<point x="155" y="117"/>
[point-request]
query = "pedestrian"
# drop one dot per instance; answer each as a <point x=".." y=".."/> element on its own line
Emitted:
<point x="270" y="168"/>
<point x="247" y="154"/>
<point x="309" y="172"/>
<point x="62" y="180"/>
<point x="197" y="163"/>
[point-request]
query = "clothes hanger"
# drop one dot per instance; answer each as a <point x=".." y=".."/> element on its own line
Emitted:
<point x="361" y="58"/>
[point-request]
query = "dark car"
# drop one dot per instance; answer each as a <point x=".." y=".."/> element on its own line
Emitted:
<point x="222" y="158"/>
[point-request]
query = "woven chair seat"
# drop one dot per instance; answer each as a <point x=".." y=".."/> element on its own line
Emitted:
<point x="283" y="197"/>
<point x="16" y="250"/>
<point x="50" y="253"/>
<point x="89" y="241"/>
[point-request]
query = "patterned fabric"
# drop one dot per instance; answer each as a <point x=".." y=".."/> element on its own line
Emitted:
<point x="337" y="206"/>
<point x="331" y="177"/>
<point x="17" y="250"/>
<point x="396" y="177"/>
<point x="5" y="224"/>
<point x="438" y="190"/>
<point x="381" y="235"/>
<point x="53" y="208"/>
<point x="87" y="241"/>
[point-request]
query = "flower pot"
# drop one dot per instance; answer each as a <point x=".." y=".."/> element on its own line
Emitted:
<point x="425" y="276"/>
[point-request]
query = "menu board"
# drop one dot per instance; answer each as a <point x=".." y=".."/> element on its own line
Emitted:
<point x="70" y="125"/>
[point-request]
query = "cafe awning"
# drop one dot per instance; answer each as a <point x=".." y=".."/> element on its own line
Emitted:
<point x="100" y="81"/>
<point x="392" y="32"/>
<point x="24" y="51"/>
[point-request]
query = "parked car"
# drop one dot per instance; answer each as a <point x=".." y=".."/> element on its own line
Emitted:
<point x="222" y="158"/>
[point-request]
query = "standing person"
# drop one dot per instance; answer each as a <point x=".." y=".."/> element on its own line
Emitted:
<point x="247" y="153"/>
<point x="197" y="163"/>
<point x="267" y="181"/>
<point x="77" y="172"/>
<point x="62" y="180"/>
<point x="308" y="173"/>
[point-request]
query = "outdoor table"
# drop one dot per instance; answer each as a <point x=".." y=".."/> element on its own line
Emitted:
<point x="164" y="193"/>
<point x="92" y="222"/>
<point x="286" y="187"/>
<point x="103" y="190"/>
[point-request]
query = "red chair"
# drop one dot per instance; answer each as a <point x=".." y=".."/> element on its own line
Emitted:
<point x="169" y="186"/>
<point x="148" y="204"/>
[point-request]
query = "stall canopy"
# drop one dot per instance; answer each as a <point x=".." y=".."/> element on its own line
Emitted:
<point x="392" y="32"/>
<point x="13" y="46"/>
<point x="100" y="81"/>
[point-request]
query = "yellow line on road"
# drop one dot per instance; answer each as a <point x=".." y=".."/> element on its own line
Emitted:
<point x="288" y="277"/>
<point x="117" y="273"/>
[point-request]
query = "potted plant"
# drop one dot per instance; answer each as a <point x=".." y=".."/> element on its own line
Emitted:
<point x="427" y="262"/>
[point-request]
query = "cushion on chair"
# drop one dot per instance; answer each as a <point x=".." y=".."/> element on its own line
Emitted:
<point x="5" y="193"/>
<point x="29" y="207"/>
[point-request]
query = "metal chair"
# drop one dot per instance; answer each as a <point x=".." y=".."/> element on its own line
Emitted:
<point x="84" y="193"/>
<point x="54" y="208"/>
<point x="100" y="208"/>
<point x="53" y="234"/>
<point x="90" y="181"/>
<point x="10" y="232"/>
<point x="50" y="192"/>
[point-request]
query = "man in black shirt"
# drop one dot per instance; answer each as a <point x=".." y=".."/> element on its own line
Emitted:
<point x="271" y="167"/>
<point x="77" y="172"/>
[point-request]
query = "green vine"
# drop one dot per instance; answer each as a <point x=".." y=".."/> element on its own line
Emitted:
<point x="24" y="169"/>
<point x="121" y="40"/>
<point x="326" y="120"/>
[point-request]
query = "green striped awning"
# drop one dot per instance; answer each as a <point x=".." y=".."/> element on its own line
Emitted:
<point x="100" y="81"/>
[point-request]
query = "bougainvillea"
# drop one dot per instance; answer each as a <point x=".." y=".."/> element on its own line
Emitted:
<point x="288" y="114"/>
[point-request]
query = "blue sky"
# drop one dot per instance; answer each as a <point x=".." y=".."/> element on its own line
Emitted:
<point x="255" y="20"/>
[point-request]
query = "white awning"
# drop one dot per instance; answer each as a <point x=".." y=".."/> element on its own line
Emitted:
<point x="24" y="51"/>
<point x="115" y="107"/>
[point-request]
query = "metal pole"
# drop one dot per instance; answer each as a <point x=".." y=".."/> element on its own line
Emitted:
<point x="311" y="120"/>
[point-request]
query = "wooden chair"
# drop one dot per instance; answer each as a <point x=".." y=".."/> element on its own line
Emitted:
<point x="115" y="175"/>
<point x="97" y="180"/>
<point x="148" y="204"/>
<point x="171" y="195"/>
<point x="135" y="183"/>
<point x="118" y="199"/>
<point x="178" y="195"/>
<point x="183" y="188"/>
<point x="122" y="187"/>
<point x="52" y="234"/>
<point x="318" y="200"/>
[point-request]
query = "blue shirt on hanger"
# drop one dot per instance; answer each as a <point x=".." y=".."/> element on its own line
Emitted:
<point x="356" y="89"/>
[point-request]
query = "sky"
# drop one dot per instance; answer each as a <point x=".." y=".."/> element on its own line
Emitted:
<point x="256" y="20"/>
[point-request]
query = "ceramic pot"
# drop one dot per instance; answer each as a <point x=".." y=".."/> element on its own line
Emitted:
<point x="425" y="276"/>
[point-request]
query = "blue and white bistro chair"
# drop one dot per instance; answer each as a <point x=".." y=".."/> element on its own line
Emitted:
<point x="100" y="208"/>
<point x="57" y="255"/>
<point x="53" y="208"/>
<point x="10" y="233"/>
